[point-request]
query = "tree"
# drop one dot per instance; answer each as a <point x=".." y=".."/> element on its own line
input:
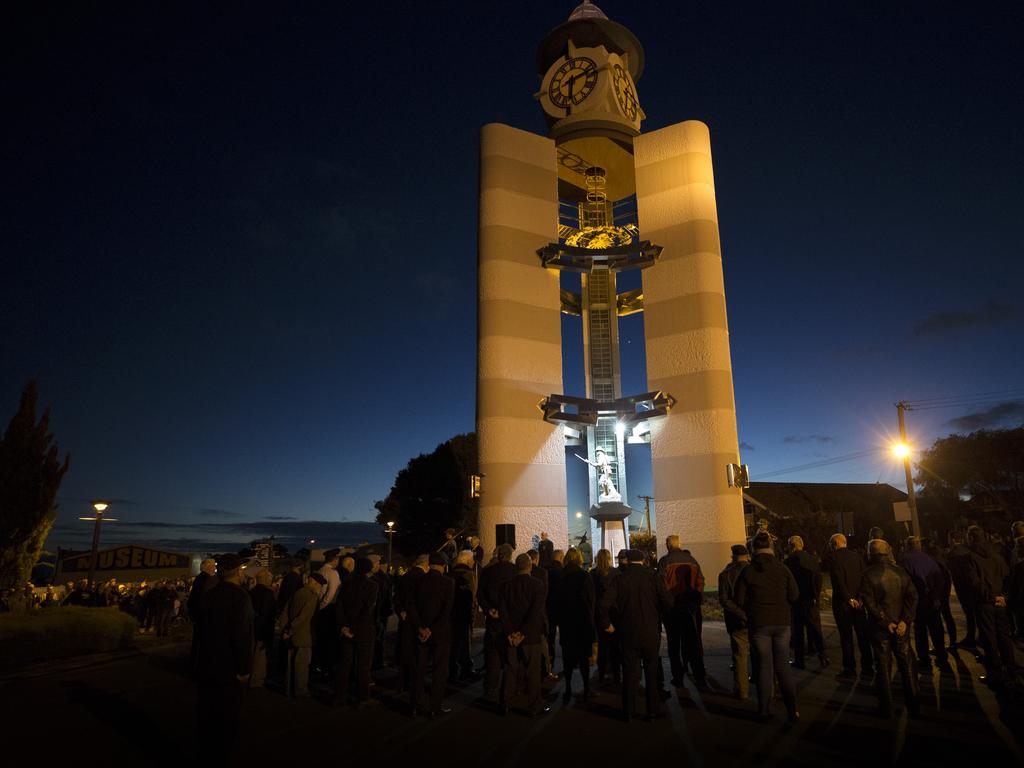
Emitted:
<point x="30" y="474"/>
<point x="432" y="494"/>
<point x="984" y="468"/>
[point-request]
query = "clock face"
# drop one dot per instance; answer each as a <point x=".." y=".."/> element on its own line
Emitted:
<point x="572" y="82"/>
<point x="624" y="92"/>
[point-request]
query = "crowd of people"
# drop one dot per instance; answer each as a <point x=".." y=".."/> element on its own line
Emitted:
<point x="333" y="622"/>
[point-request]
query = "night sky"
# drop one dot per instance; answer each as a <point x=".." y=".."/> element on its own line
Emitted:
<point x="239" y="241"/>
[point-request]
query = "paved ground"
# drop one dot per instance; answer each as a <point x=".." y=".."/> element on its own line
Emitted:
<point x="137" y="710"/>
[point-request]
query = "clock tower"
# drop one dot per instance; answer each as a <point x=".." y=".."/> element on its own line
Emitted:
<point x="563" y="218"/>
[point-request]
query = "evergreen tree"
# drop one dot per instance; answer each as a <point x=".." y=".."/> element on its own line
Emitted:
<point x="30" y="474"/>
<point x="432" y="494"/>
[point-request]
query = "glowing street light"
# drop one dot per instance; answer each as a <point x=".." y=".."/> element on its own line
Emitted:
<point x="391" y="536"/>
<point x="100" y="507"/>
<point x="901" y="450"/>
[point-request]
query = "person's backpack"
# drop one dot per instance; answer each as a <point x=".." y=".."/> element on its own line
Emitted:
<point x="684" y="580"/>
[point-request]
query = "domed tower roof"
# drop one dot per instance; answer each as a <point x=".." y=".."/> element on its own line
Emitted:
<point x="587" y="10"/>
<point x="587" y="26"/>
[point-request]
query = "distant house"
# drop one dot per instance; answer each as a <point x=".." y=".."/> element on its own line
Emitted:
<point x="816" y="510"/>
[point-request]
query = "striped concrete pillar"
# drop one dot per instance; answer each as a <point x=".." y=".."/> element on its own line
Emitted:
<point x="687" y="337"/>
<point x="519" y="361"/>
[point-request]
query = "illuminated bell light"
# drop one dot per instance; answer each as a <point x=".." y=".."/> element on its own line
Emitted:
<point x="99" y="506"/>
<point x="901" y="450"/>
<point x="579" y="515"/>
<point x="605" y="236"/>
<point x="391" y="523"/>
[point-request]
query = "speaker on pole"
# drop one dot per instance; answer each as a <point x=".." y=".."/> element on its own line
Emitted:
<point x="505" y="533"/>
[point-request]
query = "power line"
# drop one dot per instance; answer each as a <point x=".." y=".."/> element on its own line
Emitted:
<point x="935" y="401"/>
<point x="822" y="463"/>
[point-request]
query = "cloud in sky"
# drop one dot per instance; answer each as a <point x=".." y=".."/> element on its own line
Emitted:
<point x="218" y="537"/>
<point x="746" y="447"/>
<point x="995" y="416"/>
<point x="211" y="512"/>
<point x="794" y="439"/>
<point x="279" y="517"/>
<point x="952" y="322"/>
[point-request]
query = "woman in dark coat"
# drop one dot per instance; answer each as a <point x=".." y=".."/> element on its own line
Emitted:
<point x="576" y="624"/>
<point x="601" y="574"/>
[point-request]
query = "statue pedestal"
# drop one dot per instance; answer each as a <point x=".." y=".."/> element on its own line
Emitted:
<point x="611" y="516"/>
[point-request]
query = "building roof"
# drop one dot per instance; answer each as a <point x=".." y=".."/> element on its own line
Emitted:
<point x="783" y="498"/>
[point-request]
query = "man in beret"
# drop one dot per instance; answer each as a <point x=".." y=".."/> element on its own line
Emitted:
<point x="224" y="660"/>
<point x="736" y="620"/>
<point x="405" y="642"/>
<point x="431" y="615"/>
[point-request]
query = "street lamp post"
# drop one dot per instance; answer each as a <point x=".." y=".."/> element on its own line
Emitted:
<point x="391" y="535"/>
<point x="903" y="451"/>
<point x="100" y="507"/>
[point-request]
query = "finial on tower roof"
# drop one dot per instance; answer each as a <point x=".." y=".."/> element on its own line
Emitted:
<point x="587" y="10"/>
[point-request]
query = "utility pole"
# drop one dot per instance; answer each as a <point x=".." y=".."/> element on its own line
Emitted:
<point x="915" y="524"/>
<point x="647" y="511"/>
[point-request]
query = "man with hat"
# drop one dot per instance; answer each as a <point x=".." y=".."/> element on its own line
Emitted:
<point x="224" y="660"/>
<point x="405" y="642"/>
<point x="736" y="620"/>
<point x="431" y="616"/>
<point x="297" y="634"/>
<point x="357" y="623"/>
<point x="493" y="579"/>
<point x="640" y="600"/>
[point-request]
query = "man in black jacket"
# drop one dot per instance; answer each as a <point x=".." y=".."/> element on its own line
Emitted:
<point x="200" y="586"/>
<point x="684" y="624"/>
<point x="890" y="599"/>
<point x="766" y="591"/>
<point x="384" y="609"/>
<point x="846" y="570"/>
<point x="460" y="664"/>
<point x="405" y="642"/>
<point x="356" y="619"/>
<point x="224" y="660"/>
<point x="493" y="578"/>
<point x="736" y="620"/>
<point x="553" y="609"/>
<point x="959" y="560"/>
<point x="986" y="579"/>
<point x="806" y="611"/>
<point x="431" y="615"/>
<point x="265" y="609"/>
<point x="640" y="599"/>
<point x="521" y="610"/>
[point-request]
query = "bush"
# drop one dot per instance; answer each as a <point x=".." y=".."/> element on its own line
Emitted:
<point x="54" y="633"/>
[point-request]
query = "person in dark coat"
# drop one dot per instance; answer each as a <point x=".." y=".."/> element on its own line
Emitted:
<point x="576" y="628"/>
<point x="986" y="578"/>
<point x="493" y="578"/>
<point x="766" y="591"/>
<point x="521" y="612"/>
<point x="194" y="605"/>
<point x="264" y="606"/>
<point x="890" y="598"/>
<point x="607" y="649"/>
<point x="846" y="570"/>
<point x="431" y="615"/>
<point x="552" y="608"/>
<point x="945" y="611"/>
<point x="958" y="560"/>
<point x="639" y="598"/>
<point x="292" y="582"/>
<point x="806" y="611"/>
<point x="385" y="607"/>
<point x="356" y="619"/>
<point x="736" y="620"/>
<point x="684" y="624"/>
<point x="463" y="573"/>
<point x="405" y="642"/>
<point x="224" y="660"/>
<point x="540" y="573"/>
<point x="546" y="549"/>
<point x="930" y="585"/>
